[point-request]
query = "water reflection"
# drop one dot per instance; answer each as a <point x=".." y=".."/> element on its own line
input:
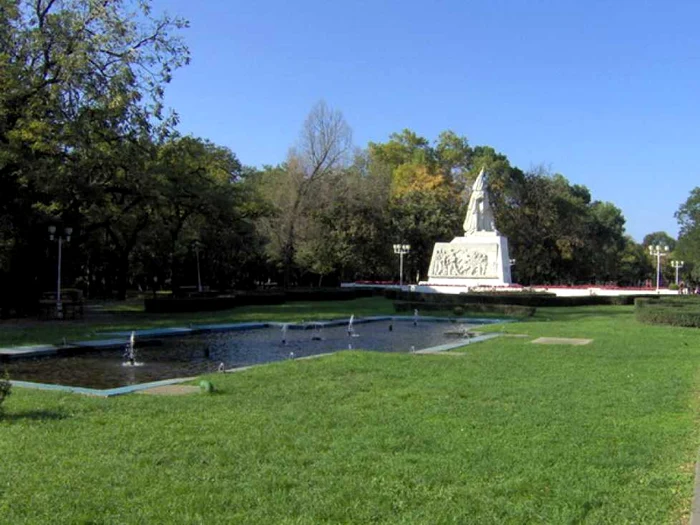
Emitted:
<point x="195" y="355"/>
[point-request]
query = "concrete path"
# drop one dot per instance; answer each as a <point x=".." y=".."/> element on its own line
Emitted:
<point x="171" y="390"/>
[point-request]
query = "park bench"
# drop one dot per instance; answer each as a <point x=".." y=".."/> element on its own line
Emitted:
<point x="71" y="304"/>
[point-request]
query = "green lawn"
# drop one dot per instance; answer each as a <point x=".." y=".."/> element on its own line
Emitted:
<point x="509" y="432"/>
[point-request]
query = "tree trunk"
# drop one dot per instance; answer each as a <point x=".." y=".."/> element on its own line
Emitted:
<point x="122" y="275"/>
<point x="288" y="257"/>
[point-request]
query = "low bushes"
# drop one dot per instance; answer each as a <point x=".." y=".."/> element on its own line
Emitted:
<point x="206" y="303"/>
<point x="674" y="311"/>
<point x="5" y="389"/>
<point x="534" y="299"/>
<point x="328" y="294"/>
<point x="458" y="310"/>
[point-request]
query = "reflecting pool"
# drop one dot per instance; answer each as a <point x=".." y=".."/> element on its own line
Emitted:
<point x="193" y="355"/>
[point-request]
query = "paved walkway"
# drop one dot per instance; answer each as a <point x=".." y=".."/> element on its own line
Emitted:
<point x="171" y="390"/>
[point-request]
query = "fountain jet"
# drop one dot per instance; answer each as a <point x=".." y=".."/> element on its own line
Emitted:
<point x="130" y="352"/>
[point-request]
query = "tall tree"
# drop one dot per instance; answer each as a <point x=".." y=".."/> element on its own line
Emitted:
<point x="75" y="75"/>
<point x="294" y="189"/>
<point x="688" y="249"/>
<point x="661" y="238"/>
<point x="426" y="183"/>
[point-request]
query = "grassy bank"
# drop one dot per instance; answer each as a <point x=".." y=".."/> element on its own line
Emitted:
<point x="508" y="432"/>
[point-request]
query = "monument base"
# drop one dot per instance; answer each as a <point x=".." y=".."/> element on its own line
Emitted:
<point x="481" y="259"/>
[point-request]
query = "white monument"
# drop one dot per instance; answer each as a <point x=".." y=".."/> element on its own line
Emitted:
<point x="478" y="259"/>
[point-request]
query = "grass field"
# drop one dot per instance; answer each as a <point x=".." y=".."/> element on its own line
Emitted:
<point x="508" y="432"/>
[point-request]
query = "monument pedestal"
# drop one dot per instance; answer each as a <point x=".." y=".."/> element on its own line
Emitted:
<point x="480" y="259"/>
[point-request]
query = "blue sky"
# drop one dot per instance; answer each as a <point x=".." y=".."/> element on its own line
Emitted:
<point x="606" y="93"/>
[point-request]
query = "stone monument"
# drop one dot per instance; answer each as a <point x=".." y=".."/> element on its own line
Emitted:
<point x="480" y="258"/>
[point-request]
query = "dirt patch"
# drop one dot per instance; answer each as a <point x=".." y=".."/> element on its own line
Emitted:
<point x="171" y="390"/>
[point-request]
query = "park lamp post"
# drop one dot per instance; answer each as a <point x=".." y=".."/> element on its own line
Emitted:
<point x="196" y="245"/>
<point x="52" y="233"/>
<point x="658" y="251"/>
<point x="401" y="250"/>
<point x="677" y="265"/>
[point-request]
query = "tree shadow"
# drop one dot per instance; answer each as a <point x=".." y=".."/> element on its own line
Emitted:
<point x="33" y="415"/>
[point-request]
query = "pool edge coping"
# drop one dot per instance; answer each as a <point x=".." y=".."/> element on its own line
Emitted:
<point x="47" y="350"/>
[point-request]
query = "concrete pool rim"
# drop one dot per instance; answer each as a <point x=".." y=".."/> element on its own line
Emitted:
<point x="119" y="339"/>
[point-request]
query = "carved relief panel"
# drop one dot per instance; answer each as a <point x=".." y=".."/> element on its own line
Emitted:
<point x="464" y="261"/>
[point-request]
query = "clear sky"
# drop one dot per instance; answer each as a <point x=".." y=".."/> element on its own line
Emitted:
<point x="606" y="93"/>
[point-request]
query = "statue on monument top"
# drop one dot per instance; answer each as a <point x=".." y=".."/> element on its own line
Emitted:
<point x="479" y="217"/>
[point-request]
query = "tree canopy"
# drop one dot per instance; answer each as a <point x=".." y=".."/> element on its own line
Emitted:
<point x="86" y="142"/>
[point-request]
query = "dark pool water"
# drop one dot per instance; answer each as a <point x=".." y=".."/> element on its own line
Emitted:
<point x="197" y="354"/>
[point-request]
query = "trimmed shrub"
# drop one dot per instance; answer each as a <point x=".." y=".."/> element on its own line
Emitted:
<point x="475" y="308"/>
<point x="675" y="311"/>
<point x="328" y="294"/>
<point x="163" y="305"/>
<point x="206" y="303"/>
<point x="534" y="299"/>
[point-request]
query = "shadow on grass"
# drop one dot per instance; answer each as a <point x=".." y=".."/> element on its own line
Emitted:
<point x="34" y="415"/>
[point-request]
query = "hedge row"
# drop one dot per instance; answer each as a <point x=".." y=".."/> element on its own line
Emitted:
<point x="674" y="311"/>
<point x="534" y="299"/>
<point x="206" y="303"/>
<point x="329" y="294"/>
<point x="458" y="310"/>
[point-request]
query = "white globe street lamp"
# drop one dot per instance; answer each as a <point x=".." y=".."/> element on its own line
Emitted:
<point x="658" y="251"/>
<point x="677" y="265"/>
<point x="197" y="245"/>
<point x="401" y="250"/>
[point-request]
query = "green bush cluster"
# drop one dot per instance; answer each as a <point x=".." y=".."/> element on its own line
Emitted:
<point x="534" y="299"/>
<point x="504" y="309"/>
<point x="5" y="389"/>
<point x="328" y="294"/>
<point x="675" y="311"/>
<point x="207" y="303"/>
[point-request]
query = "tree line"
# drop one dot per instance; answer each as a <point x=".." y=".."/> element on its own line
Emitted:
<point x="341" y="220"/>
<point x="86" y="143"/>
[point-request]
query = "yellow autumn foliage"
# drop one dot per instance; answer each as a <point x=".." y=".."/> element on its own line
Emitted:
<point x="410" y="178"/>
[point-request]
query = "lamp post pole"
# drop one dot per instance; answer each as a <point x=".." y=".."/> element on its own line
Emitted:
<point x="658" y="251"/>
<point x="59" y="305"/>
<point x="677" y="265"/>
<point x="401" y="250"/>
<point x="67" y="232"/>
<point x="199" y="275"/>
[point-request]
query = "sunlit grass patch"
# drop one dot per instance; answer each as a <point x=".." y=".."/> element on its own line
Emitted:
<point x="509" y="433"/>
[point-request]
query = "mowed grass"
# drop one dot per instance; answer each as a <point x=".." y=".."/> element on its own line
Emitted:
<point x="508" y="432"/>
